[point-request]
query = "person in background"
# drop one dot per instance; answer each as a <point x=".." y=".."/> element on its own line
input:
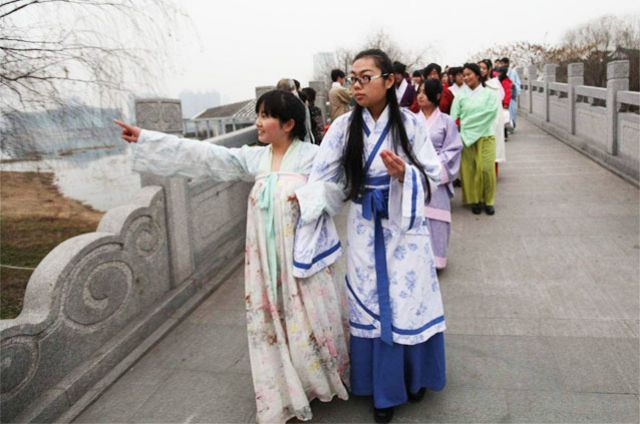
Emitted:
<point x="477" y="108"/>
<point x="433" y="71"/>
<point x="405" y="93"/>
<point x="417" y="79"/>
<point x="515" y="91"/>
<point x="292" y="86"/>
<point x="317" y="123"/>
<point x="444" y="135"/>
<point x="457" y="79"/>
<point x="496" y="64"/>
<point x="445" y="81"/>
<point x="339" y="95"/>
<point x="506" y="86"/>
<point x="494" y="84"/>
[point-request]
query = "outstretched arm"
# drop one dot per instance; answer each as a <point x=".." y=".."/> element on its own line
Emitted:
<point x="168" y="155"/>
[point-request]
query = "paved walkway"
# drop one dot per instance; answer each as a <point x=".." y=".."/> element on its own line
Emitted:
<point x="541" y="300"/>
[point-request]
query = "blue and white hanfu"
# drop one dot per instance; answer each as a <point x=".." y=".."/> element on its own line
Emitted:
<point x="395" y="305"/>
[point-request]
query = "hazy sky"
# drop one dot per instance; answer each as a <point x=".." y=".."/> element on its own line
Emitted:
<point x="239" y="44"/>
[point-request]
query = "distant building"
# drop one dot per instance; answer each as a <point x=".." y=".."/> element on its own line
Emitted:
<point x="194" y="102"/>
<point x="219" y="120"/>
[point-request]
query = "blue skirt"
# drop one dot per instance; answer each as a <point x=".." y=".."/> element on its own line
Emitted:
<point x="388" y="373"/>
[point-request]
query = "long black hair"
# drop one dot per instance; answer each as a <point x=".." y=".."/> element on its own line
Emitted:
<point x="489" y="65"/>
<point x="353" y="159"/>
<point x="432" y="89"/>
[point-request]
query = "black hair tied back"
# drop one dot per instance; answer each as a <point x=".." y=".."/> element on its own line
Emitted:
<point x="353" y="159"/>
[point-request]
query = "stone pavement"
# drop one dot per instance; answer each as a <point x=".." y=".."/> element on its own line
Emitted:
<point x="542" y="306"/>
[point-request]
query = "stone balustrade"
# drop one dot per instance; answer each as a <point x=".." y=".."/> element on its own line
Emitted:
<point x="97" y="301"/>
<point x="601" y="122"/>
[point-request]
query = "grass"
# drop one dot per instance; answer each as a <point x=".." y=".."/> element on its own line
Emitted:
<point x="34" y="218"/>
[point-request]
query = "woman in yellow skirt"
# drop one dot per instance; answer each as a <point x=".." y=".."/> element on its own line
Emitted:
<point x="477" y="108"/>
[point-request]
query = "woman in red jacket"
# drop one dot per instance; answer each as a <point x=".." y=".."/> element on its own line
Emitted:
<point x="506" y="86"/>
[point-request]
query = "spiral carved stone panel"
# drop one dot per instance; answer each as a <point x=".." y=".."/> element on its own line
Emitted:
<point x="18" y="363"/>
<point x="145" y="236"/>
<point x="98" y="286"/>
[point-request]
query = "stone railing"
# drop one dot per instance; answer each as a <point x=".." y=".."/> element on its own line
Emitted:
<point x="601" y="122"/>
<point x="99" y="300"/>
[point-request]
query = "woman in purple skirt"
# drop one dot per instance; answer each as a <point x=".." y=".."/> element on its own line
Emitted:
<point x="448" y="144"/>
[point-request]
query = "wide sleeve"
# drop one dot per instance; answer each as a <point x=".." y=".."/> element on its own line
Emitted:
<point x="450" y="152"/>
<point x="325" y="190"/>
<point x="456" y="108"/>
<point x="168" y="155"/>
<point x="407" y="198"/>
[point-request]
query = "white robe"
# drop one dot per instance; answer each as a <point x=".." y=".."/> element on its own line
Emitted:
<point x="413" y="289"/>
<point x="498" y="123"/>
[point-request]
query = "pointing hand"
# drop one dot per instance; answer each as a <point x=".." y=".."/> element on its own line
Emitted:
<point x="129" y="134"/>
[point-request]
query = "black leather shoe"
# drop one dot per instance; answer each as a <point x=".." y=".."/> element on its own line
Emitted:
<point x="417" y="397"/>
<point x="383" y="415"/>
<point x="490" y="210"/>
<point x="476" y="208"/>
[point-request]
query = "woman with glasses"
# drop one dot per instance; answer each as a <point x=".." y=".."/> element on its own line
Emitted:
<point x="379" y="159"/>
<point x="446" y="140"/>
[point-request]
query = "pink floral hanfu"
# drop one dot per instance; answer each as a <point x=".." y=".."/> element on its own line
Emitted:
<point x="296" y="326"/>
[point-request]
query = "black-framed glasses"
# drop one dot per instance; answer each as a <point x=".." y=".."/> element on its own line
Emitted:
<point x="365" y="79"/>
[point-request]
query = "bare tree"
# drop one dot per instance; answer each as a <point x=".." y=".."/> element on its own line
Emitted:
<point x="51" y="49"/>
<point x="383" y="41"/>
<point x="520" y="53"/>
<point x="595" y="43"/>
<point x="343" y="57"/>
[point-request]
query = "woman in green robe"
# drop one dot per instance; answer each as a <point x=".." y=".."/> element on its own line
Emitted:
<point x="477" y="108"/>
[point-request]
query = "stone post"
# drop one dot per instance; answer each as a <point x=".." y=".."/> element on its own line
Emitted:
<point x="575" y="77"/>
<point x="617" y="80"/>
<point x="166" y="115"/>
<point x="322" y="96"/>
<point x="533" y="76"/>
<point x="159" y="114"/>
<point x="549" y="73"/>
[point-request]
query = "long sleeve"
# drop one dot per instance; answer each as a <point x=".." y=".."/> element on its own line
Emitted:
<point x="446" y="99"/>
<point x="450" y="152"/>
<point x="169" y="155"/>
<point x="455" y="107"/>
<point x="405" y="197"/>
<point x="325" y="190"/>
<point x="515" y="78"/>
<point x="506" y="86"/>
